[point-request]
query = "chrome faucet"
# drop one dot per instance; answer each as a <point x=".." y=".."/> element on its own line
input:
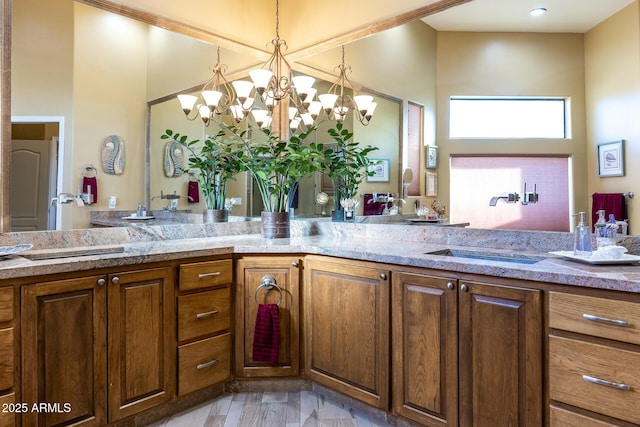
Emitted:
<point x="526" y="197"/>
<point x="507" y="197"/>
<point x="173" y="200"/>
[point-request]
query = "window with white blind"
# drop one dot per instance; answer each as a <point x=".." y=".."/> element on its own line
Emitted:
<point x="513" y="117"/>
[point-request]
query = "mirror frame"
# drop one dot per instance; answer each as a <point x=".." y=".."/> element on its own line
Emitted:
<point x="5" y="111"/>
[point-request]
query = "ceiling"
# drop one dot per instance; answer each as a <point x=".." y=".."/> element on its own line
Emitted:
<point x="309" y="28"/>
<point x="563" y="16"/>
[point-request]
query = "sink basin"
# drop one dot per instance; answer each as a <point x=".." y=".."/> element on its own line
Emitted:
<point x="71" y="252"/>
<point x="488" y="256"/>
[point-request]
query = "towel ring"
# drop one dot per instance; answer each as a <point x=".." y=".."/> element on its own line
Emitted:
<point x="89" y="169"/>
<point x="269" y="283"/>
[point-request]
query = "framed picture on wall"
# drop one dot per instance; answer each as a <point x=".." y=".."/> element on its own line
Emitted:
<point x="611" y="158"/>
<point x="432" y="184"/>
<point x="380" y="170"/>
<point x="432" y="157"/>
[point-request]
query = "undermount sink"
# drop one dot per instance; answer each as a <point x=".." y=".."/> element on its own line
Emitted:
<point x="43" y="254"/>
<point x="488" y="256"/>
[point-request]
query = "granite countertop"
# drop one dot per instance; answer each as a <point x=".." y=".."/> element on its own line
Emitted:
<point x="401" y="245"/>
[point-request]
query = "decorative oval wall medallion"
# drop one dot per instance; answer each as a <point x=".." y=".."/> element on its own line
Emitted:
<point x="173" y="159"/>
<point x="113" y="155"/>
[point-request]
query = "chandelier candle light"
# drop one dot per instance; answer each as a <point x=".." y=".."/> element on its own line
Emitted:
<point x="217" y="93"/>
<point x="336" y="104"/>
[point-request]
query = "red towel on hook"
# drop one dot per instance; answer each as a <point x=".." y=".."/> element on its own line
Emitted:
<point x="266" y="336"/>
<point x="193" y="192"/>
<point x="612" y="203"/>
<point x="90" y="181"/>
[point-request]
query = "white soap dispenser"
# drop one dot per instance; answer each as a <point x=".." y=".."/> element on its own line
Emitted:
<point x="582" y="244"/>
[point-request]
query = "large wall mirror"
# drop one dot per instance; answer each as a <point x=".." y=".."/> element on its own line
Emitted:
<point x="58" y="82"/>
<point x="129" y="91"/>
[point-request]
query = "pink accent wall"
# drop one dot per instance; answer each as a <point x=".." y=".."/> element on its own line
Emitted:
<point x="475" y="180"/>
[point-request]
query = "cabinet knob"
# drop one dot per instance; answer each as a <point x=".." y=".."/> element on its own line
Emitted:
<point x="115" y="280"/>
<point x="101" y="282"/>
<point x="464" y="288"/>
<point x="383" y="276"/>
<point x="451" y="286"/>
<point x="294" y="264"/>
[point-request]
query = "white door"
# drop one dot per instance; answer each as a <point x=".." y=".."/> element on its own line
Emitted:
<point x="29" y="185"/>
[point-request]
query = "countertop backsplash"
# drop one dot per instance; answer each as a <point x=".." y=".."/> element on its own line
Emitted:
<point x="389" y="234"/>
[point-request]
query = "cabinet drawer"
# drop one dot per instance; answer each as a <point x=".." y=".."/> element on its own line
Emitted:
<point x="560" y="417"/>
<point x="204" y="313"/>
<point x="575" y="365"/>
<point x="6" y="304"/>
<point x="204" y="363"/>
<point x="205" y="274"/>
<point x="600" y="317"/>
<point x="6" y="358"/>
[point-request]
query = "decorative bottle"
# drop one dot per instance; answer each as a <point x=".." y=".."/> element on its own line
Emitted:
<point x="582" y="245"/>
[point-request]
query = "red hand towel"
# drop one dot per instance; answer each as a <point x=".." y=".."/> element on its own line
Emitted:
<point x="612" y="203"/>
<point x="373" y="208"/>
<point x="93" y="182"/>
<point x="266" y="337"/>
<point x="193" y="192"/>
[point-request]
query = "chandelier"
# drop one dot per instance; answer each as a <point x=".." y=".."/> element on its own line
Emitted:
<point x="218" y="96"/>
<point x="271" y="84"/>
<point x="337" y="104"/>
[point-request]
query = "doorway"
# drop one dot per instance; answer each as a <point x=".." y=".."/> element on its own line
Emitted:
<point x="36" y="147"/>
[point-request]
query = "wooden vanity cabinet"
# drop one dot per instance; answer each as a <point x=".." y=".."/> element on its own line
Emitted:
<point x="594" y="360"/>
<point x="346" y="327"/>
<point x="7" y="359"/>
<point x="141" y="340"/>
<point x="80" y="334"/>
<point x="204" y="324"/>
<point x="466" y="352"/>
<point x="250" y="270"/>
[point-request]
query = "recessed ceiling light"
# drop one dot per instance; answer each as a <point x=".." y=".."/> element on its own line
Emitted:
<point x="538" y="11"/>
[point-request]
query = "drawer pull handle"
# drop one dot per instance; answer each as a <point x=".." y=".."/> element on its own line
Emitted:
<point x="598" y="381"/>
<point x="206" y="314"/>
<point x="205" y="275"/>
<point x="207" y="364"/>
<point x="605" y="320"/>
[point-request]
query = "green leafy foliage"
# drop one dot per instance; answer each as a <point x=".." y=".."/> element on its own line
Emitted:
<point x="347" y="164"/>
<point x="213" y="161"/>
<point x="277" y="165"/>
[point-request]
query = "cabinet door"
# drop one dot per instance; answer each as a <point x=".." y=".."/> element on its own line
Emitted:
<point x="63" y="351"/>
<point x="142" y="341"/>
<point x="425" y="348"/>
<point x="249" y="274"/>
<point x="500" y="355"/>
<point x="346" y="314"/>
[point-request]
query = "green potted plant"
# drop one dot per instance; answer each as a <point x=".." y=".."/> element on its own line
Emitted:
<point x="214" y="163"/>
<point x="277" y="166"/>
<point x="346" y="165"/>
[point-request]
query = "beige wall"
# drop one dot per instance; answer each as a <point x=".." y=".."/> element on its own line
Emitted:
<point x="612" y="63"/>
<point x="109" y="96"/>
<point x="512" y="64"/>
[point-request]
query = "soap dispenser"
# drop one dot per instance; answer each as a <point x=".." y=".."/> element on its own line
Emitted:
<point x="582" y="245"/>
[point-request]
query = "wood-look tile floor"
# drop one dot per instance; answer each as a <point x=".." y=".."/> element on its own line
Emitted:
<point x="271" y="409"/>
